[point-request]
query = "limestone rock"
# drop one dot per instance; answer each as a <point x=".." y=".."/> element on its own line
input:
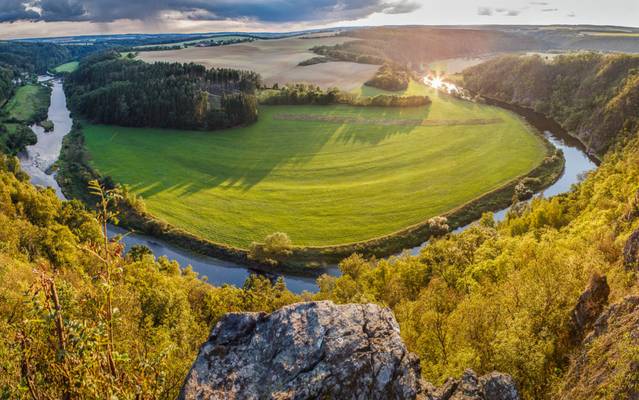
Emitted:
<point x="305" y="351"/>
<point x="588" y="308"/>
<point x="493" y="386"/>
<point x="631" y="252"/>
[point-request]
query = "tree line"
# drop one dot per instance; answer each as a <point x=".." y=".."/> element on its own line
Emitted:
<point x="390" y="77"/>
<point x="305" y="94"/>
<point x="112" y="90"/>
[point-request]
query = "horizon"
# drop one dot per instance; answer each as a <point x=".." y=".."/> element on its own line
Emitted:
<point x="58" y="18"/>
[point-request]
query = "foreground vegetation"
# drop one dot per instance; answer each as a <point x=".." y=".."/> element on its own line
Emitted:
<point x="323" y="175"/>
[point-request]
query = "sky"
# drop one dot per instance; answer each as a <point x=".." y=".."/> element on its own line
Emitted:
<point x="40" y="18"/>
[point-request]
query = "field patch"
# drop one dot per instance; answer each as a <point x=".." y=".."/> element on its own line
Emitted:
<point x="30" y="103"/>
<point x="275" y="60"/>
<point x="316" y="175"/>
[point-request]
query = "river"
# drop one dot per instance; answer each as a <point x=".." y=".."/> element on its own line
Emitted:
<point x="38" y="159"/>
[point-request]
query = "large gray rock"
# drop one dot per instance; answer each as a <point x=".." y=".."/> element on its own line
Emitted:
<point x="305" y="351"/>
<point x="493" y="386"/>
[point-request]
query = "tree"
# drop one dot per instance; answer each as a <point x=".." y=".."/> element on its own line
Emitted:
<point x="276" y="247"/>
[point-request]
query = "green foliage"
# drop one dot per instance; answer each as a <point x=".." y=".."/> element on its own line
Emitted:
<point x="56" y="333"/>
<point x="109" y="89"/>
<point x="390" y="77"/>
<point x="303" y="94"/>
<point x="276" y="246"/>
<point x="29" y="105"/>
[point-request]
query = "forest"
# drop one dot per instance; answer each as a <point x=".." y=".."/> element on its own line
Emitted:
<point x="109" y="89"/>
<point x="591" y="95"/>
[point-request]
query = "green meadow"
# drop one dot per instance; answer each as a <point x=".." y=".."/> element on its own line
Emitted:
<point x="67" y="67"/>
<point x="29" y="102"/>
<point x="324" y="175"/>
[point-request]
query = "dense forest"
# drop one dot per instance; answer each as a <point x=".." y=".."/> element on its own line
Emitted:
<point x="592" y="95"/>
<point x="33" y="57"/>
<point x="390" y="77"/>
<point x="112" y="90"/>
<point x="6" y="84"/>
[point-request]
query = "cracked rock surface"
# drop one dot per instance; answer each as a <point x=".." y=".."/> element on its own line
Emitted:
<point x="305" y="351"/>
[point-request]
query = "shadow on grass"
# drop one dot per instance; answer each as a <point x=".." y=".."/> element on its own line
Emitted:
<point x="256" y="151"/>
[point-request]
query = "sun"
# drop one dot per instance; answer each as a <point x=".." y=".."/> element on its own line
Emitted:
<point x="437" y="82"/>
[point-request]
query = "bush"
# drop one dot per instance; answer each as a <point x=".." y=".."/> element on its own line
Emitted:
<point x="276" y="247"/>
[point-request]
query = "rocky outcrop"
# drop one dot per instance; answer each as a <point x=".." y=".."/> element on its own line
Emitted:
<point x="494" y="386"/>
<point x="319" y="350"/>
<point x="631" y="252"/>
<point x="607" y="364"/>
<point x="305" y="351"/>
<point x="588" y="308"/>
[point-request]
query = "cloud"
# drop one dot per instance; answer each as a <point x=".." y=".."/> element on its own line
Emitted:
<point x="571" y="15"/>
<point x="277" y="11"/>
<point x="14" y="10"/>
<point x="484" y="11"/>
<point x="549" y="9"/>
<point x="539" y="3"/>
<point x="508" y="12"/>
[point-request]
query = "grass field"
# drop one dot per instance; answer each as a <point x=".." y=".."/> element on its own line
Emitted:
<point x="28" y="101"/>
<point x="275" y="60"/>
<point x="68" y="67"/>
<point x="322" y="182"/>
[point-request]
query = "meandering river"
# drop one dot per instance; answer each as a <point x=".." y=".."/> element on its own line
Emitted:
<point x="38" y="159"/>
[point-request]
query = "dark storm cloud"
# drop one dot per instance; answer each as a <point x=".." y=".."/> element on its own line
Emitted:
<point x="13" y="10"/>
<point x="258" y="10"/>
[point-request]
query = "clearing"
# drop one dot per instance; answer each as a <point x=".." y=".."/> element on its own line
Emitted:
<point x="276" y="60"/>
<point x="29" y="102"/>
<point x="309" y="172"/>
<point x="67" y="67"/>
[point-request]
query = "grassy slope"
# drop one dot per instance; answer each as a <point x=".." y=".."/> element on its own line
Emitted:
<point x="26" y="102"/>
<point x="67" y="67"/>
<point x="322" y="183"/>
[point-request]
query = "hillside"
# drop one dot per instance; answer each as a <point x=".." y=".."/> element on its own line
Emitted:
<point x="594" y="96"/>
<point x="418" y="45"/>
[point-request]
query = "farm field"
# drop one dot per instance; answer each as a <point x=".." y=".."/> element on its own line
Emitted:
<point x="276" y="60"/>
<point x="324" y="175"/>
<point x="67" y="67"/>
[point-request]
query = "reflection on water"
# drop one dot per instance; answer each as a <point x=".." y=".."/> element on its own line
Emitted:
<point x="39" y="157"/>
